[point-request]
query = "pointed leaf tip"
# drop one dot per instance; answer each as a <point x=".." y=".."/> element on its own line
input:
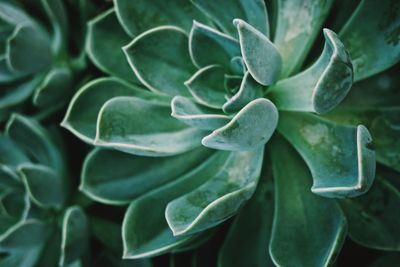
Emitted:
<point x="252" y="127"/>
<point x="260" y="55"/>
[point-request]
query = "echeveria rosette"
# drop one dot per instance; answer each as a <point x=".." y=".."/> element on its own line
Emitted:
<point x="217" y="79"/>
<point x="36" y="62"/>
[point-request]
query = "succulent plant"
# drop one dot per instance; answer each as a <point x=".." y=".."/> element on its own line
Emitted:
<point x="42" y="219"/>
<point x="38" y="57"/>
<point x="213" y="109"/>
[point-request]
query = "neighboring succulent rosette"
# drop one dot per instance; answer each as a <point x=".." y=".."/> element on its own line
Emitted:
<point x="187" y="153"/>
<point x="42" y="219"/>
<point x="36" y="58"/>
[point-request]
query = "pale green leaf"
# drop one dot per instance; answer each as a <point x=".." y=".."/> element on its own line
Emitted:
<point x="81" y="116"/>
<point x="114" y="177"/>
<point x="147" y="233"/>
<point x="207" y="86"/>
<point x="298" y="24"/>
<point x="145" y="15"/>
<point x="197" y="115"/>
<point x="249" y="90"/>
<point x="260" y="55"/>
<point x="340" y="157"/>
<point x="160" y="59"/>
<point x="143" y="127"/>
<point x="249" y="129"/>
<point x="208" y="46"/>
<point x="56" y="12"/>
<point x="253" y="11"/>
<point x="322" y="86"/>
<point x="219" y="198"/>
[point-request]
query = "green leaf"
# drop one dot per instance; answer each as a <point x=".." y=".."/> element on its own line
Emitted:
<point x="108" y="233"/>
<point x="35" y="141"/>
<point x="38" y="179"/>
<point x="321" y="87"/>
<point x="147" y="233"/>
<point x="249" y="129"/>
<point x="374" y="217"/>
<point x="340" y="157"/>
<point x="81" y="116"/>
<point x="208" y="46"/>
<point x="249" y="90"/>
<point x="372" y="37"/>
<point x="161" y="61"/>
<point x="56" y="12"/>
<point x="28" y="49"/>
<point x="207" y="86"/>
<point x="105" y="39"/>
<point x="145" y="15"/>
<point x="307" y="230"/>
<point x="254" y="12"/>
<point x="249" y="234"/>
<point x="15" y="204"/>
<point x="142" y="127"/>
<point x="23" y="236"/>
<point x="10" y="153"/>
<point x="75" y="235"/>
<point x="196" y="115"/>
<point x="298" y="24"/>
<point x="260" y="55"/>
<point x="113" y="177"/>
<point x="54" y="89"/>
<point x="16" y="94"/>
<point x="219" y="198"/>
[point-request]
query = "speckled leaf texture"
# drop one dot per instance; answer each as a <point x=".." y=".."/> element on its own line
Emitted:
<point x="271" y="126"/>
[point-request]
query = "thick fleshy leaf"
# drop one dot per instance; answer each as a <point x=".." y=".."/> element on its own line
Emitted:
<point x="147" y="233"/>
<point x="298" y="24"/>
<point x="143" y="127"/>
<point x="38" y="180"/>
<point x="23" y="236"/>
<point x="15" y="204"/>
<point x="307" y="230"/>
<point x="340" y="157"/>
<point x="55" y="87"/>
<point x="108" y="233"/>
<point x="9" y="179"/>
<point x="161" y="61"/>
<point x="75" y="235"/>
<point x="13" y="15"/>
<point x="81" y="116"/>
<point x="20" y="46"/>
<point x="219" y="198"/>
<point x="22" y="244"/>
<point x="262" y="59"/>
<point x="35" y="141"/>
<point x="114" y="177"/>
<point x="374" y="217"/>
<point x="248" y="91"/>
<point x="374" y="102"/>
<point x="207" y="86"/>
<point x="108" y="55"/>
<point x="254" y="12"/>
<point x="321" y="87"/>
<point x="372" y="37"/>
<point x="196" y="115"/>
<point x="6" y="74"/>
<point x="14" y="95"/>
<point x="10" y="153"/>
<point x="55" y="10"/>
<point x="249" y="234"/>
<point x="145" y="15"/>
<point x="249" y="129"/>
<point x="208" y="46"/>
